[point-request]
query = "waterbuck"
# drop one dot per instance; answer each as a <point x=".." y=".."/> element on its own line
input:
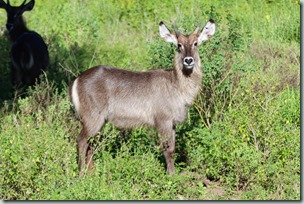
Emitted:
<point x="29" y="53"/>
<point x="128" y="99"/>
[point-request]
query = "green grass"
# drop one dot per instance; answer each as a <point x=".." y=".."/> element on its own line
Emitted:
<point x="242" y="136"/>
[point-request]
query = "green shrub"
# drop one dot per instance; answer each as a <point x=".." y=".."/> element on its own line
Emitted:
<point x="36" y="153"/>
<point x="250" y="147"/>
<point x="242" y="134"/>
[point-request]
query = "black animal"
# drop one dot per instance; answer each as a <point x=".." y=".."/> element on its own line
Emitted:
<point x="29" y="53"/>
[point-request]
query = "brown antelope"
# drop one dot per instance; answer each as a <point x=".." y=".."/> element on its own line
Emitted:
<point x="128" y="99"/>
<point x="29" y="54"/>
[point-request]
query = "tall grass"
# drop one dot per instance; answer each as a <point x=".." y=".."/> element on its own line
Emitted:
<point x="242" y="136"/>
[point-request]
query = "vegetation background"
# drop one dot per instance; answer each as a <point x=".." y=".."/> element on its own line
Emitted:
<point x="242" y="136"/>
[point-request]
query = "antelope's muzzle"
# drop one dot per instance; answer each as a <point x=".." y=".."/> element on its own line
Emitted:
<point x="188" y="63"/>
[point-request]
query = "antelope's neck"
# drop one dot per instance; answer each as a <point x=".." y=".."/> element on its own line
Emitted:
<point x="188" y="85"/>
<point x="17" y="32"/>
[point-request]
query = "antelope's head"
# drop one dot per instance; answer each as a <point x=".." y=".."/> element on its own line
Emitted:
<point x="14" y="13"/>
<point x="187" y="52"/>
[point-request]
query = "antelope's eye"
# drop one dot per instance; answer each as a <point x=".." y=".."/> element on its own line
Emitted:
<point x="195" y="44"/>
<point x="179" y="46"/>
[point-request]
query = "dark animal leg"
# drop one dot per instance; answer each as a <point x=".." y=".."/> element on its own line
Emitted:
<point x="16" y="76"/>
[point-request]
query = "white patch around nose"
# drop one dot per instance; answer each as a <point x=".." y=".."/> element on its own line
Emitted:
<point x="187" y="64"/>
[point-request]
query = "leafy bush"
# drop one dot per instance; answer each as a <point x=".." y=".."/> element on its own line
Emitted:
<point x="36" y="153"/>
<point x="254" y="150"/>
<point x="241" y="138"/>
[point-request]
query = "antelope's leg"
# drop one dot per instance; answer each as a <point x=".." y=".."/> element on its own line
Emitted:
<point x="169" y="149"/>
<point x="167" y="132"/>
<point x="82" y="147"/>
<point x="89" y="159"/>
<point x="85" y="150"/>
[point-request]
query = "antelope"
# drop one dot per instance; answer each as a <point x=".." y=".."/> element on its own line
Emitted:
<point x="28" y="54"/>
<point x="157" y="98"/>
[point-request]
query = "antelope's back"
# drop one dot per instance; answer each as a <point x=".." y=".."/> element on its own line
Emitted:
<point x="126" y="98"/>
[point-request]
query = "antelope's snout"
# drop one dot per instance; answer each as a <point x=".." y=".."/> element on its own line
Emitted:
<point x="188" y="62"/>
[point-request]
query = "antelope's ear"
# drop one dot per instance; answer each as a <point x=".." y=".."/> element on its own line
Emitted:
<point x="29" y="6"/>
<point x="166" y="34"/>
<point x="207" y="32"/>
